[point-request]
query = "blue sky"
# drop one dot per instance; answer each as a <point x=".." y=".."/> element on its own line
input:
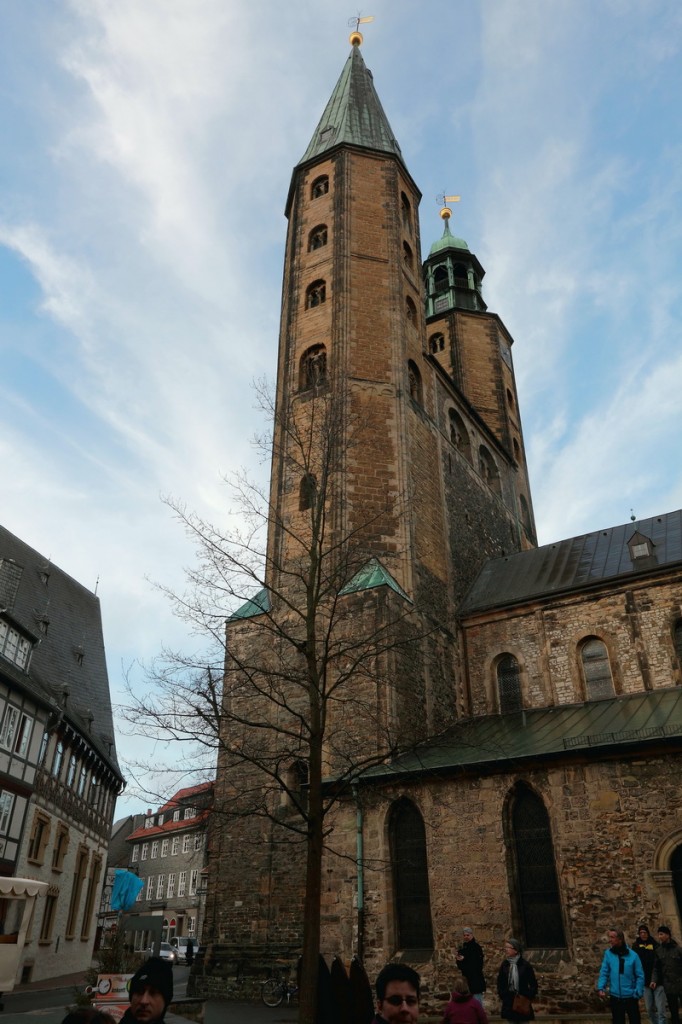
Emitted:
<point x="146" y="154"/>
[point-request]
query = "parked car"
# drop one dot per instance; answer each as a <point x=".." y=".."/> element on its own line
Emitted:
<point x="168" y="953"/>
<point x="180" y="944"/>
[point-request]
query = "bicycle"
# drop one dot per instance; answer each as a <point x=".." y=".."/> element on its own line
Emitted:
<point x="274" y="989"/>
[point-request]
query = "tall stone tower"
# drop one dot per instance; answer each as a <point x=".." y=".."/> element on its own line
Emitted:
<point x="396" y="402"/>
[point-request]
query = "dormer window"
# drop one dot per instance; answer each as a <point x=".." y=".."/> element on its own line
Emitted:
<point x="640" y="547"/>
<point x="13" y="646"/>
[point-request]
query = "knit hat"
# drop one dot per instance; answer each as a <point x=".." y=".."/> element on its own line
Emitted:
<point x="515" y="944"/>
<point x="155" y="972"/>
<point x="664" y="928"/>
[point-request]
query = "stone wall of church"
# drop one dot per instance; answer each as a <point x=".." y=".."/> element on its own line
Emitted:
<point x="634" y="622"/>
<point x="608" y="819"/>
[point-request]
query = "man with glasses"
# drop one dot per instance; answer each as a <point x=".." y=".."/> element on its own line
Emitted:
<point x="397" y="995"/>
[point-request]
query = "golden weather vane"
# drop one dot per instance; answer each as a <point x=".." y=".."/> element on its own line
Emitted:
<point x="356" y="37"/>
<point x="446" y="212"/>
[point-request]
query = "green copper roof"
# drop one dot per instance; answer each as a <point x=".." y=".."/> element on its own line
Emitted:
<point x="448" y="241"/>
<point x="372" y="575"/>
<point x="624" y="724"/>
<point x="354" y="115"/>
<point x="258" y="604"/>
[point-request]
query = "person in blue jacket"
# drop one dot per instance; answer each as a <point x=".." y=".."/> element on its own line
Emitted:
<point x="622" y="974"/>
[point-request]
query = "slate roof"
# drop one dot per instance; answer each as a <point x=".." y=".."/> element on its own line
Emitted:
<point x="618" y="724"/>
<point x="70" y="654"/>
<point x="575" y="564"/>
<point x="353" y="115"/>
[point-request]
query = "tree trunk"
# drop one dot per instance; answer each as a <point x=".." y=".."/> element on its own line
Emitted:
<point x="313" y="891"/>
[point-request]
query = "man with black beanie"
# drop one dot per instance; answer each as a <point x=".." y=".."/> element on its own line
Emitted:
<point x="151" y="992"/>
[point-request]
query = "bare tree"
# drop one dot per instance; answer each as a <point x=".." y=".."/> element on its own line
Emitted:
<point x="312" y="680"/>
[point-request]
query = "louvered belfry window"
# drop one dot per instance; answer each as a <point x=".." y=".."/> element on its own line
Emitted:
<point x="537" y="888"/>
<point x="410" y="877"/>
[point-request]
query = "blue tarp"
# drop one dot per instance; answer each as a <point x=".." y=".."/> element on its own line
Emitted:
<point x="126" y="887"/>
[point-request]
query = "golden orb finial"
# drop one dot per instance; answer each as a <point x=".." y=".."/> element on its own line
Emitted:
<point x="446" y="213"/>
<point x="355" y="38"/>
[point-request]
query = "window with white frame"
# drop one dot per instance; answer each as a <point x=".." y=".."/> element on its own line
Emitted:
<point x="71" y="770"/>
<point x="6" y="805"/>
<point x="23" y="736"/>
<point x="8" y="728"/>
<point x="193" y="881"/>
<point x="190" y="812"/>
<point x="187" y="843"/>
<point x="170" y="891"/>
<point x="149" y="823"/>
<point x="139" y="895"/>
<point x="13" y="646"/>
<point x="58" y="759"/>
<point x="160" y="821"/>
<point x="175" y="846"/>
<point x="164" y="847"/>
<point x="182" y="883"/>
<point x="145" y="851"/>
<point x="155" y="849"/>
<point x="82" y="780"/>
<point x="150" y="887"/>
<point x="135" y="854"/>
<point x="176" y="815"/>
<point x="159" y="887"/>
<point x="191" y="925"/>
<point x="198" y="840"/>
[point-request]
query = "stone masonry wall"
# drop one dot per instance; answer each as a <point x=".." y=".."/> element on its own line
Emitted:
<point x="607" y="819"/>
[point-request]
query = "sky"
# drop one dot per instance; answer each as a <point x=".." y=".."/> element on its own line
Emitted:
<point x="146" y="150"/>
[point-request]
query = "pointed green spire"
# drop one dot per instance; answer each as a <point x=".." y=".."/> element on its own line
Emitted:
<point x="354" y="115"/>
<point x="448" y="241"/>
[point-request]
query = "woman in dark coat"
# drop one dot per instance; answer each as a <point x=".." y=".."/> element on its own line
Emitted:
<point x="515" y="977"/>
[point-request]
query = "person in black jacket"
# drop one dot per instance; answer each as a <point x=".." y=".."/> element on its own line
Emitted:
<point x="668" y="971"/>
<point x="645" y="947"/>
<point x="515" y="977"/>
<point x="470" y="962"/>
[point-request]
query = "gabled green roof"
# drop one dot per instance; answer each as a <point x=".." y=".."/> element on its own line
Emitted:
<point x="617" y="725"/>
<point x="354" y="115"/>
<point x="256" y="605"/>
<point x="370" y="576"/>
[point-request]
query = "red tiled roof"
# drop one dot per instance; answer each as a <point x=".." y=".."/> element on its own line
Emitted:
<point x="174" y="804"/>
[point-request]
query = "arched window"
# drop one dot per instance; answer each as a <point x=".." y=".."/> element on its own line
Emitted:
<point x="319" y="187"/>
<point x="459" y="435"/>
<point x="510" y="400"/>
<point x="676" y="870"/>
<point x="313" y="368"/>
<point x="441" y="279"/>
<point x="307" y="492"/>
<point x="460" y="274"/>
<point x="517" y="450"/>
<point x="677" y="640"/>
<point x="410" y="311"/>
<point x="525" y="516"/>
<point x="488" y="468"/>
<point x="436" y="343"/>
<point x="509" y="685"/>
<point x="596" y="669"/>
<point x="316" y="294"/>
<point x="407" y="256"/>
<point x="317" y="237"/>
<point x="410" y="877"/>
<point x="535" y="885"/>
<point x="405" y="212"/>
<point x="414" y="382"/>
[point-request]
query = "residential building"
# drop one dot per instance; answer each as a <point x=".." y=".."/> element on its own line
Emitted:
<point x="59" y="777"/>
<point x="169" y="851"/>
